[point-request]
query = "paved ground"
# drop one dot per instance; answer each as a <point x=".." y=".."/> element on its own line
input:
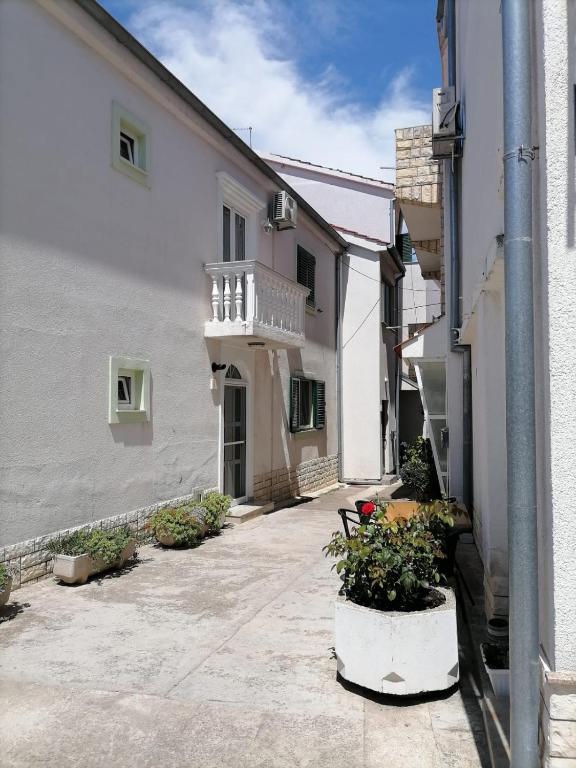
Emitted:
<point x="218" y="656"/>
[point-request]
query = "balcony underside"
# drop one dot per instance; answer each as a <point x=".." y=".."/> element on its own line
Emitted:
<point x="253" y="334"/>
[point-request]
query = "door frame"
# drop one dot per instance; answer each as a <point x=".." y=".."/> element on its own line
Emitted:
<point x="243" y="382"/>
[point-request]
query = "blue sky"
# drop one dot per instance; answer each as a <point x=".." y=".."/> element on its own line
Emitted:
<point x="323" y="80"/>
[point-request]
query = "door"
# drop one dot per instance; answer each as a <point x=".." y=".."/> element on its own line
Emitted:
<point x="234" y="249"/>
<point x="234" y="436"/>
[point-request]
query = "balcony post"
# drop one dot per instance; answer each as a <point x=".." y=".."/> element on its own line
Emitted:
<point x="238" y="297"/>
<point x="227" y="298"/>
<point x="215" y="299"/>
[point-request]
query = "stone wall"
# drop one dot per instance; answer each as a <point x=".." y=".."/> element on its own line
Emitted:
<point x="558" y="719"/>
<point x="29" y="561"/>
<point x="288" y="482"/>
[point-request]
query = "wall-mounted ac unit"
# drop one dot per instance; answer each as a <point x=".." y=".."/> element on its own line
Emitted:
<point x="284" y="210"/>
<point x="444" y="122"/>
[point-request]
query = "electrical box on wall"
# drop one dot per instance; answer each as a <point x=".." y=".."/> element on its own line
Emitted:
<point x="444" y="122"/>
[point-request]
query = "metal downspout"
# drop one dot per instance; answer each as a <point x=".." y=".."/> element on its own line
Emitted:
<point x="455" y="286"/>
<point x="339" y="257"/>
<point x="520" y="407"/>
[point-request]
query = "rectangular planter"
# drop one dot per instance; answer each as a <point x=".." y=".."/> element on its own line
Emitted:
<point x="499" y="678"/>
<point x="5" y="591"/>
<point x="77" y="569"/>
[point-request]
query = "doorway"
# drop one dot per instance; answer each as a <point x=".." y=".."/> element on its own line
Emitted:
<point x="234" y="442"/>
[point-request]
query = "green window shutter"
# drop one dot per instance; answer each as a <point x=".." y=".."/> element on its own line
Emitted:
<point x="404" y="245"/>
<point x="319" y="404"/>
<point x="294" y="404"/>
<point x="306" y="273"/>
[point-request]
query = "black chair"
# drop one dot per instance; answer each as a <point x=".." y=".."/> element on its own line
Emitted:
<point x="358" y="519"/>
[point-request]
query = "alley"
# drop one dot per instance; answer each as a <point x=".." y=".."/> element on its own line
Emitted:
<point x="217" y="656"/>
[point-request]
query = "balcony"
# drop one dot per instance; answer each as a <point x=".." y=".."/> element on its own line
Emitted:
<point x="253" y="305"/>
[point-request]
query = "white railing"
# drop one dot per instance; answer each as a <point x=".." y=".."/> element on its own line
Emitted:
<point x="251" y="299"/>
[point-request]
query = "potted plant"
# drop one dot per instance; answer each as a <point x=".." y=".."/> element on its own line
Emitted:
<point x="178" y="526"/>
<point x="5" y="584"/>
<point x="80" y="555"/>
<point x="395" y="625"/>
<point x="497" y="666"/>
<point x="216" y="506"/>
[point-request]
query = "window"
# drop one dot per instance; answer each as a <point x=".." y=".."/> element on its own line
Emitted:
<point x="306" y="274"/>
<point x="405" y="248"/>
<point x="388" y="304"/>
<point x="130" y="145"/>
<point x="125" y="392"/>
<point x="233" y="235"/>
<point x="307" y="404"/>
<point x="129" y="390"/>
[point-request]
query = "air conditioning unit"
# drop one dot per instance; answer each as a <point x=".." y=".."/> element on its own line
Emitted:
<point x="444" y="122"/>
<point x="284" y="210"/>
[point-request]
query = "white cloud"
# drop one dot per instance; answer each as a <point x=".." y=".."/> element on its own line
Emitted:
<point x="240" y="58"/>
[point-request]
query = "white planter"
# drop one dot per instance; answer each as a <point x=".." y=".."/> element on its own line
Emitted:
<point x="398" y="653"/>
<point x="5" y="591"/>
<point x="76" y="569"/>
<point x="499" y="678"/>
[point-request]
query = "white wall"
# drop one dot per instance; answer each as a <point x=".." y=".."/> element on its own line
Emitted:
<point x="94" y="264"/>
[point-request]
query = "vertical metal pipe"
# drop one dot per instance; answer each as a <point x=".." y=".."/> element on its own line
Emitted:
<point x="520" y="416"/>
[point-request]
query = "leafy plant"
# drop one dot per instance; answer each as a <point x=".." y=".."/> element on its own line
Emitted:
<point x="418" y="471"/>
<point x="392" y="564"/>
<point x="102" y="545"/>
<point x="216" y="506"/>
<point x="178" y="523"/>
<point x="5" y="575"/>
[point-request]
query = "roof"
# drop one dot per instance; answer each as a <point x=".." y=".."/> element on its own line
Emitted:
<point x="272" y="157"/>
<point x="362" y="235"/>
<point x="121" y="34"/>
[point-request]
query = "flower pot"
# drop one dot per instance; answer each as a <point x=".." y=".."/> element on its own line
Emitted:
<point x="76" y="569"/>
<point x="395" y="652"/>
<point x="165" y="539"/>
<point x="72" y="569"/>
<point x="499" y="678"/>
<point x="5" y="591"/>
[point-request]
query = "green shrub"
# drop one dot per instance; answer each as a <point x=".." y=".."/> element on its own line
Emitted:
<point x="180" y="523"/>
<point x="392" y="564"/>
<point x="418" y="471"/>
<point x="102" y="545"/>
<point x="4" y="575"/>
<point x="216" y="506"/>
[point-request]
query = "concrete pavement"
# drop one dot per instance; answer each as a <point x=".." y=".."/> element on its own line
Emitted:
<point x="220" y="656"/>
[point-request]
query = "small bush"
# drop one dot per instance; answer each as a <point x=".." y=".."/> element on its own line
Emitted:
<point x="418" y="471"/>
<point x="216" y="506"/>
<point x="180" y="523"/>
<point x="392" y="564"/>
<point x="102" y="545"/>
<point x="4" y="576"/>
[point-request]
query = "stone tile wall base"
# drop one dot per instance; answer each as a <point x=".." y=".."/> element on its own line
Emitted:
<point x="558" y="718"/>
<point x="30" y="561"/>
<point x="285" y="483"/>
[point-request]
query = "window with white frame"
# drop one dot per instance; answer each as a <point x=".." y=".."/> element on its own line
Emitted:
<point x="240" y="212"/>
<point x="130" y="145"/>
<point x="233" y="234"/>
<point x="129" y="390"/>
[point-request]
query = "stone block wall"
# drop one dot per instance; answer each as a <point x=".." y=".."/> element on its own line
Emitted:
<point x="558" y="719"/>
<point x="281" y="484"/>
<point x="29" y="561"/>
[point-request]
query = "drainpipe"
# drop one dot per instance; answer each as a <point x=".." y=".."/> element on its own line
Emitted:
<point x="520" y="409"/>
<point x="455" y="285"/>
<point x="339" y="257"/>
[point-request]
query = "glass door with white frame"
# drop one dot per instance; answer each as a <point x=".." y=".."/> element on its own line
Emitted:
<point x="234" y="480"/>
<point x="234" y="244"/>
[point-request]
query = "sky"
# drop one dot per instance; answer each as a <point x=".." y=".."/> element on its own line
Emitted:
<point x="325" y="81"/>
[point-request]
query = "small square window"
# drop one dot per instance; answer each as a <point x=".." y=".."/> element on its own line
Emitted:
<point x="130" y="145"/>
<point x="129" y="390"/>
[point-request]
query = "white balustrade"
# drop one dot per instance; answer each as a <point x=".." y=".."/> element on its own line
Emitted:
<point x="248" y="297"/>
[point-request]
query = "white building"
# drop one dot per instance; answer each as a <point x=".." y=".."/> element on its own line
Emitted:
<point x="475" y="460"/>
<point x="361" y="209"/>
<point x="160" y="336"/>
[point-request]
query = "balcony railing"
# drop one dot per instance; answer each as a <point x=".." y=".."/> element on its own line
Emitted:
<point x="253" y="301"/>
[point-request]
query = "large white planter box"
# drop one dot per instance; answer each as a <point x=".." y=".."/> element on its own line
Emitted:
<point x="398" y="653"/>
<point x="77" y="569"/>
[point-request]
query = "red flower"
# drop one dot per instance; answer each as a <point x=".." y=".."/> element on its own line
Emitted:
<point x="368" y="508"/>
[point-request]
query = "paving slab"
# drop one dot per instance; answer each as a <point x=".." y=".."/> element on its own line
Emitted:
<point x="212" y="657"/>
